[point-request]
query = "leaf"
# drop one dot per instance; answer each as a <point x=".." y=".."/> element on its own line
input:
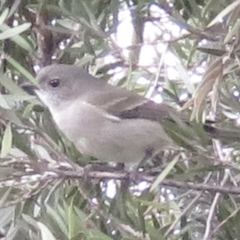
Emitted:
<point x="14" y="7"/>
<point x="223" y="13"/>
<point x="6" y="141"/>
<point x="11" y="85"/>
<point x="45" y="232"/>
<point x="164" y="173"/>
<point x="11" y="32"/>
<point x="4" y="16"/>
<point x="3" y="102"/>
<point x="21" y="69"/>
<point x="7" y="213"/>
<point x="212" y="76"/>
<point x="213" y="51"/>
<point x="18" y="39"/>
<point x="234" y="31"/>
<point x="56" y="216"/>
<point x="10" y="115"/>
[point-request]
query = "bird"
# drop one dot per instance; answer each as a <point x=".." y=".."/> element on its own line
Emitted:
<point x="104" y="121"/>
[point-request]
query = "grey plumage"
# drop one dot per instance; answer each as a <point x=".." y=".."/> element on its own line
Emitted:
<point x="105" y="121"/>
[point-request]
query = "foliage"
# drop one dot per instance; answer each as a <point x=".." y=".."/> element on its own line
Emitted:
<point x="190" y="192"/>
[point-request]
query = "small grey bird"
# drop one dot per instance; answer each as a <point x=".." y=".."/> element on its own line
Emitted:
<point x="103" y="121"/>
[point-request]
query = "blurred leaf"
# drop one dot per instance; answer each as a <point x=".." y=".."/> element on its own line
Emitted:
<point x="4" y="16"/>
<point x="3" y="102"/>
<point x="6" y="141"/>
<point x="164" y="173"/>
<point x="11" y="32"/>
<point x="234" y="31"/>
<point x="212" y="51"/>
<point x="212" y="76"/>
<point x="45" y="232"/>
<point x="223" y="13"/>
<point x="10" y="115"/>
<point x="18" y="39"/>
<point x="14" y="7"/>
<point x="21" y="69"/>
<point x="6" y="213"/>
<point x="11" y="85"/>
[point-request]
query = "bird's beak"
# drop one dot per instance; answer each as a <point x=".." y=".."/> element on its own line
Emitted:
<point x="30" y="88"/>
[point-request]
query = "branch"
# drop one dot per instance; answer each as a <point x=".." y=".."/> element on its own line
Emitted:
<point x="142" y="177"/>
<point x="46" y="172"/>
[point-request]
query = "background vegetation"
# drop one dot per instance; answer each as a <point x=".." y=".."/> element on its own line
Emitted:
<point x="191" y="192"/>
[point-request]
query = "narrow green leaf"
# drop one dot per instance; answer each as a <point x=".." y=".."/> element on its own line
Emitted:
<point x="18" y="39"/>
<point x="10" y="115"/>
<point x="4" y="16"/>
<point x="6" y="141"/>
<point x="164" y="173"/>
<point x="56" y="216"/>
<point x="71" y="220"/>
<point x="11" y="85"/>
<point x="4" y="198"/>
<point x="224" y="12"/>
<point x="21" y="69"/>
<point x="6" y="213"/>
<point x="234" y="31"/>
<point x="14" y="7"/>
<point x="3" y="102"/>
<point x="45" y="232"/>
<point x="11" y="32"/>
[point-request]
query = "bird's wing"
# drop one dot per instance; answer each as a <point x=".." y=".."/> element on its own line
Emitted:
<point x="124" y="104"/>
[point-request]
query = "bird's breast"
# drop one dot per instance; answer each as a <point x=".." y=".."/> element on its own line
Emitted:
<point x="81" y="120"/>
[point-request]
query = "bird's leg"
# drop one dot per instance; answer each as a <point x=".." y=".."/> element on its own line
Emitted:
<point x="148" y="155"/>
<point x="134" y="173"/>
<point x="103" y="167"/>
<point x="99" y="167"/>
<point x="120" y="166"/>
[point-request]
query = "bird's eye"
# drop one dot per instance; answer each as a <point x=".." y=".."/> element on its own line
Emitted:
<point x="54" y="83"/>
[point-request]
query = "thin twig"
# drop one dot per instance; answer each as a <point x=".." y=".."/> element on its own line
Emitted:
<point x="225" y="221"/>
<point x="212" y="209"/>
